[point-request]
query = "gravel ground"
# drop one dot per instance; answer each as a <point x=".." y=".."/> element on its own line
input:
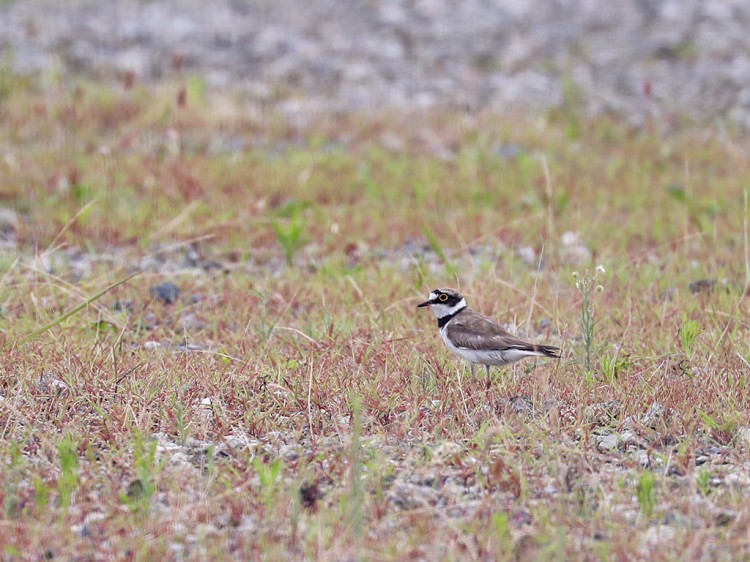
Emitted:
<point x="670" y="59"/>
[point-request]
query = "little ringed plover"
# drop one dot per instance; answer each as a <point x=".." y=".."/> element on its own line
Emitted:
<point x="476" y="338"/>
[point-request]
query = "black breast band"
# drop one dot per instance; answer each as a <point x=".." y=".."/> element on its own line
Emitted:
<point x="445" y="319"/>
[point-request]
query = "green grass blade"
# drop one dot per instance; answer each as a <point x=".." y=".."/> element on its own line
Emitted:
<point x="72" y="311"/>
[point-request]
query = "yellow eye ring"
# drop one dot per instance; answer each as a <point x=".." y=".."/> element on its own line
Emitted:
<point x="443" y="298"/>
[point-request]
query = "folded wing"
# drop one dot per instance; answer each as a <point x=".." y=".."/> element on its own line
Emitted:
<point x="477" y="332"/>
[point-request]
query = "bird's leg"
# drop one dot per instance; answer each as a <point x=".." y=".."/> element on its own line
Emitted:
<point x="489" y="380"/>
<point x="473" y="366"/>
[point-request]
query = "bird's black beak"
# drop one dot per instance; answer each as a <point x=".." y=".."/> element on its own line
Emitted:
<point x="425" y="303"/>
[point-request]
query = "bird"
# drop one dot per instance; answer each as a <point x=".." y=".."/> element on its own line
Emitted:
<point x="476" y="338"/>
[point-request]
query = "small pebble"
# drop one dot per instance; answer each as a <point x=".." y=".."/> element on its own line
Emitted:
<point x="165" y="292"/>
<point x="702" y="285"/>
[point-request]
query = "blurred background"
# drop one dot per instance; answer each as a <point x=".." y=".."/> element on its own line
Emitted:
<point x="671" y="59"/>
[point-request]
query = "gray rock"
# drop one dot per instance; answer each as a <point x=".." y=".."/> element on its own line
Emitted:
<point x="8" y="222"/>
<point x="702" y="286"/>
<point x="165" y="292"/>
<point x="607" y="441"/>
<point x="528" y="256"/>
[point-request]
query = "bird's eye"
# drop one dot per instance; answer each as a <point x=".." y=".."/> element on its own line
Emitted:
<point x="443" y="298"/>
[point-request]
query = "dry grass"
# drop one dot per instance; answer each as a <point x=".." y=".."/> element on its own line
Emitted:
<point x="309" y="411"/>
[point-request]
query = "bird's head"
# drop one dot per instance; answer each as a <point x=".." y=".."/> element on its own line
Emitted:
<point x="444" y="302"/>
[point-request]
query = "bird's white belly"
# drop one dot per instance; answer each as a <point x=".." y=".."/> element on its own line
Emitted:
<point x="494" y="357"/>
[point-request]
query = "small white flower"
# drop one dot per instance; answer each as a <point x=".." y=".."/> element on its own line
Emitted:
<point x="599" y="288"/>
<point x="575" y="275"/>
<point x="600" y="269"/>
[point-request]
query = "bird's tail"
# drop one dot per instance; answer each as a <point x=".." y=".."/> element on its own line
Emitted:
<point x="548" y="351"/>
